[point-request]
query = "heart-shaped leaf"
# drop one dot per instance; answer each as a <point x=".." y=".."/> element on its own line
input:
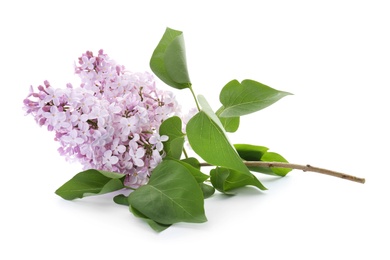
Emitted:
<point x="168" y="61"/>
<point x="171" y="195"/>
<point x="249" y="96"/>
<point x="208" y="139"/>
<point x="90" y="182"/>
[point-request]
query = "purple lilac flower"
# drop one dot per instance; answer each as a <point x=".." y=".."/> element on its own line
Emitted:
<point x="110" y="122"/>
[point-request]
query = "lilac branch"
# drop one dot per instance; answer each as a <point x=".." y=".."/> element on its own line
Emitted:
<point x="305" y="168"/>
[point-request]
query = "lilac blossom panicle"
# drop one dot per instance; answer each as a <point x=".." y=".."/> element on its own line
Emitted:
<point x="110" y="122"/>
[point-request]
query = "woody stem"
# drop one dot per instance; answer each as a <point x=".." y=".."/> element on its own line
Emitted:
<point x="305" y="168"/>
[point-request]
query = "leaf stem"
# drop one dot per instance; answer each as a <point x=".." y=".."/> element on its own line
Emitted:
<point x="196" y="101"/>
<point x="305" y="168"/>
<point x="185" y="153"/>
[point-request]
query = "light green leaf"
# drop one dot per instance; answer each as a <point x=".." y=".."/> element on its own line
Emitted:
<point x="226" y="180"/>
<point x="168" y="61"/>
<point x="209" y="111"/>
<point x="249" y="96"/>
<point x="171" y="195"/>
<point x="172" y="128"/>
<point x="230" y="124"/>
<point x="275" y="157"/>
<point x="208" y="140"/>
<point x="90" y="182"/>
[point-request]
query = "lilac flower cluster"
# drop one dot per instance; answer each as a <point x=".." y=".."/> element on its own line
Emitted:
<point x="110" y="122"/>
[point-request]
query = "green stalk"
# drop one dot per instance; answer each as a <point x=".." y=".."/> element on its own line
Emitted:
<point x="196" y="101"/>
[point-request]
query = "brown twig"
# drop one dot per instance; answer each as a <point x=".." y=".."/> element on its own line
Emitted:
<point x="305" y="168"/>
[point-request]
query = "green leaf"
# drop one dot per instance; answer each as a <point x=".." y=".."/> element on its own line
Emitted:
<point x="209" y="111"/>
<point x="198" y="175"/>
<point x="207" y="138"/>
<point x="275" y="157"/>
<point x="90" y="182"/>
<point x="168" y="61"/>
<point x="250" y="152"/>
<point x="218" y="178"/>
<point x="193" y="161"/>
<point x="121" y="200"/>
<point x="158" y="227"/>
<point x="230" y="124"/>
<point x="171" y="195"/>
<point x="124" y="200"/>
<point x="172" y="128"/>
<point x="226" y="180"/>
<point x="249" y="96"/>
<point x="207" y="190"/>
<point x="260" y="153"/>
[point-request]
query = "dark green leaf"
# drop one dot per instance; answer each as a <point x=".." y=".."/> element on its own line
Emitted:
<point x="249" y="96"/>
<point x="207" y="138"/>
<point x="168" y="61"/>
<point x="218" y="178"/>
<point x="260" y="153"/>
<point x="158" y="227"/>
<point x="207" y="190"/>
<point x="226" y="180"/>
<point x="90" y="182"/>
<point x="250" y="152"/>
<point x="193" y="161"/>
<point x="172" y="128"/>
<point x="171" y="195"/>
<point x="121" y="200"/>
<point x="230" y="124"/>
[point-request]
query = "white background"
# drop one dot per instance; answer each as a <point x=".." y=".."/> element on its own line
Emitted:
<point x="332" y="55"/>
